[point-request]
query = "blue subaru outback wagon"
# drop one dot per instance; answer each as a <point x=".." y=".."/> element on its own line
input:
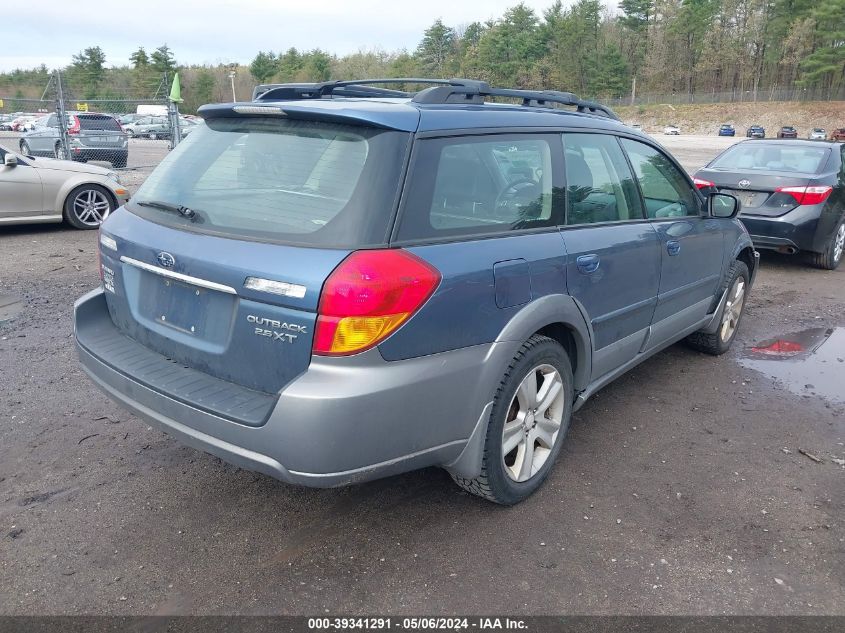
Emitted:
<point x="338" y="282"/>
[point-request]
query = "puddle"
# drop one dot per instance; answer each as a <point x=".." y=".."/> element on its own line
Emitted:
<point x="10" y="305"/>
<point x="808" y="363"/>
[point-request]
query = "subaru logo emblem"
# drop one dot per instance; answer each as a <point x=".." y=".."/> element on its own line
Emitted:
<point x="745" y="184"/>
<point x="166" y="259"/>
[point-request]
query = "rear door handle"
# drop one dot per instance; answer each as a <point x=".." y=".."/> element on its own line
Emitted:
<point x="588" y="263"/>
<point x="673" y="247"/>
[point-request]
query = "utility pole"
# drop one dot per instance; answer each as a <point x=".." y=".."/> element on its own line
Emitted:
<point x="64" y="141"/>
<point x="232" y="74"/>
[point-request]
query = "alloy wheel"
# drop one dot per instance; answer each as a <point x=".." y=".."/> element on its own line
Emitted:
<point x="733" y="309"/>
<point x="91" y="207"/>
<point x="839" y="243"/>
<point x="533" y="423"/>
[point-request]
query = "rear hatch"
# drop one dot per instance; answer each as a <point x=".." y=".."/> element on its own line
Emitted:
<point x="218" y="261"/>
<point x="100" y="130"/>
<point x="757" y="173"/>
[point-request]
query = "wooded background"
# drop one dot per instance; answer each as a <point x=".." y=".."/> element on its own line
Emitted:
<point x="681" y="50"/>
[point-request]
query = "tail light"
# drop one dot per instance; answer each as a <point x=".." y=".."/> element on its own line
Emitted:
<point x="807" y="195"/>
<point x="73" y="128"/>
<point x="702" y="184"/>
<point x="368" y="297"/>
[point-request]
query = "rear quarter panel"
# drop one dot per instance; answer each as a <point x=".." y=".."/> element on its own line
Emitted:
<point x="463" y="310"/>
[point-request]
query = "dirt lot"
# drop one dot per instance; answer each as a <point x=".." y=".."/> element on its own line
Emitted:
<point x="681" y="489"/>
<point x="706" y="118"/>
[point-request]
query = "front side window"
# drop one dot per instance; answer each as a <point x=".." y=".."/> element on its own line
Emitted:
<point x="477" y="185"/>
<point x="283" y="180"/>
<point x="667" y="193"/>
<point x="599" y="186"/>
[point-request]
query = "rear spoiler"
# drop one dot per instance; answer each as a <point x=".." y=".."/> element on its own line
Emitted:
<point x="388" y="118"/>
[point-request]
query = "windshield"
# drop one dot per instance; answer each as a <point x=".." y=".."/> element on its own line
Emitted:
<point x="805" y="160"/>
<point x="281" y="180"/>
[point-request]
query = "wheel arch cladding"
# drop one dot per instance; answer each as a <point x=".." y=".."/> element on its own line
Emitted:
<point x="746" y="256"/>
<point x="558" y="317"/>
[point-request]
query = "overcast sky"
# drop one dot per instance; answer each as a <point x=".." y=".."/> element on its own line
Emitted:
<point x="213" y="31"/>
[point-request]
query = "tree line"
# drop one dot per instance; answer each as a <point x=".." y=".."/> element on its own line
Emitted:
<point x="662" y="47"/>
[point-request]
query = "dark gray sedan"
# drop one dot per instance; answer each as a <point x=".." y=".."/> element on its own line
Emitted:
<point x="792" y="194"/>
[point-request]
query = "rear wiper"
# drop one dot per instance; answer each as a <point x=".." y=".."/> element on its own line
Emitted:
<point x="166" y="206"/>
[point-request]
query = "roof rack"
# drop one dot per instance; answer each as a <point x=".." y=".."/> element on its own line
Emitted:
<point x="441" y="91"/>
<point x="346" y="88"/>
<point x="462" y="91"/>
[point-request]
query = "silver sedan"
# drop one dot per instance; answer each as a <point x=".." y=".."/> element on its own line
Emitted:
<point x="37" y="190"/>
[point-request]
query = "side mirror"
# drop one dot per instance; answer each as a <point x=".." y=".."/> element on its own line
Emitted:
<point x="10" y="160"/>
<point x="723" y="205"/>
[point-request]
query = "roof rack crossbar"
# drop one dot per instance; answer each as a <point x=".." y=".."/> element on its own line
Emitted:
<point x="351" y="88"/>
<point x="441" y="91"/>
<point x="538" y="98"/>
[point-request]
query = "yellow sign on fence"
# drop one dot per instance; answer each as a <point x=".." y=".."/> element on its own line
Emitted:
<point x="82" y="107"/>
<point x="1" y="103"/>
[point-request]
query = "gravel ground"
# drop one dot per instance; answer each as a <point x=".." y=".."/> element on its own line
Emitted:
<point x="681" y="489"/>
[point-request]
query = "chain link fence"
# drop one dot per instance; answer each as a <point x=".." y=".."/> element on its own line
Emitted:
<point x="734" y="96"/>
<point x="132" y="135"/>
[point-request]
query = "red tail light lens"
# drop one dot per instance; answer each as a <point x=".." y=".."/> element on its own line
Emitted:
<point x="368" y="297"/>
<point x="702" y="184"/>
<point x="74" y="126"/>
<point x="807" y="195"/>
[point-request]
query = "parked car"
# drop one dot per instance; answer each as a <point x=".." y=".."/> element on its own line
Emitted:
<point x="672" y="130"/>
<point x="293" y="295"/>
<point x="186" y="126"/>
<point x="92" y="136"/>
<point x="818" y="134"/>
<point x="756" y="131"/>
<point x="727" y="130"/>
<point x="838" y="134"/>
<point x="787" y="131"/>
<point x="17" y="123"/>
<point x="30" y="124"/>
<point x="152" y="127"/>
<point x="126" y="119"/>
<point x="44" y="190"/>
<point x="792" y="195"/>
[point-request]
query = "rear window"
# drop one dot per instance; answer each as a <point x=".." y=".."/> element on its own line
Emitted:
<point x="99" y="123"/>
<point x="281" y="180"/>
<point x="753" y="155"/>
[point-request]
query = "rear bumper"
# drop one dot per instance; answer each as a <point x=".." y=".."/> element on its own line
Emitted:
<point x="344" y="420"/>
<point x="796" y="230"/>
<point x="79" y="152"/>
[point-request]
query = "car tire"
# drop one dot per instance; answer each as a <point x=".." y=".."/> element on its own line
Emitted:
<point x="720" y="341"/>
<point x="153" y="136"/>
<point x="59" y="152"/>
<point x="130" y="133"/>
<point x="119" y="163"/>
<point x="831" y="256"/>
<point x="25" y="149"/>
<point x="87" y="206"/>
<point x="508" y="477"/>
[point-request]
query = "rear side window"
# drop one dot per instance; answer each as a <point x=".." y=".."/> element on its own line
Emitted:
<point x="479" y="185"/>
<point x="282" y="180"/>
<point x="99" y="123"/>
<point x="666" y="191"/>
<point x="599" y="186"/>
<point x="772" y="157"/>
